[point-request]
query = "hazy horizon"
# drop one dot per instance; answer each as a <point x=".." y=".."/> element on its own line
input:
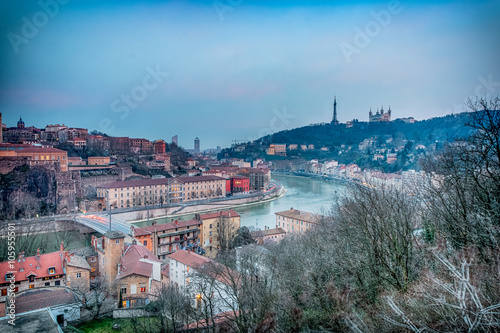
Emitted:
<point x="228" y="70"/>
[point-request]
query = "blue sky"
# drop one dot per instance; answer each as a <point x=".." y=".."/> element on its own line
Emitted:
<point x="234" y="69"/>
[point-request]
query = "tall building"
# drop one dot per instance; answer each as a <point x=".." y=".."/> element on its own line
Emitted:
<point x="175" y="139"/>
<point x="196" y="145"/>
<point x="334" y="119"/>
<point x="160" y="147"/>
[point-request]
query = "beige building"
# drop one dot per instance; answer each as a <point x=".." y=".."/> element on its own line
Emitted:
<point x="297" y="221"/>
<point x="98" y="160"/>
<point x="144" y="192"/>
<point x="211" y="226"/>
<point x="268" y="235"/>
<point x="39" y="156"/>
<point x="203" y="187"/>
<point x="110" y="249"/>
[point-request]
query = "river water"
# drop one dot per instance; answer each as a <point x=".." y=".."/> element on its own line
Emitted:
<point x="307" y="194"/>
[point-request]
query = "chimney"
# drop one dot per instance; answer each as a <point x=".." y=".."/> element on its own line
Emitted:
<point x="154" y="223"/>
<point x="189" y="251"/>
<point x="134" y="242"/>
<point x="37" y="254"/>
<point x="145" y="256"/>
<point x="61" y="246"/>
<point x="21" y="256"/>
<point x="176" y="222"/>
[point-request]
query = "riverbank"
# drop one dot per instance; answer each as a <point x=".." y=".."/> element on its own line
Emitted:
<point x="337" y="180"/>
<point x="177" y="212"/>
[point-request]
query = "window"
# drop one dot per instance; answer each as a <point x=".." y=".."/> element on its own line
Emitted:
<point x="31" y="286"/>
<point x="47" y="284"/>
<point x="145" y="243"/>
<point x="92" y="269"/>
<point x="78" y="275"/>
<point x="4" y="292"/>
<point x="31" y="278"/>
<point x="117" y="241"/>
<point x="57" y="283"/>
<point x="123" y="290"/>
<point x="52" y="270"/>
<point x="8" y="276"/>
<point x="93" y="259"/>
<point x="143" y="289"/>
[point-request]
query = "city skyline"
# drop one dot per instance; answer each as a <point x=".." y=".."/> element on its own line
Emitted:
<point x="221" y="71"/>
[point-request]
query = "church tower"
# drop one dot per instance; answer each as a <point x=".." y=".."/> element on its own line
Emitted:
<point x="334" y="120"/>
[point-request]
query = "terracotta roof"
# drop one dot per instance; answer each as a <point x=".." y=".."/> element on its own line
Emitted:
<point x="137" y="260"/>
<point x="166" y="270"/>
<point x="300" y="215"/>
<point x="39" y="299"/>
<point x="267" y="232"/>
<point x="29" y="266"/>
<point x="163" y="227"/>
<point x="226" y="213"/>
<point x="77" y="261"/>
<point x="199" y="179"/>
<point x="41" y="150"/>
<point x="197" y="261"/>
<point x="137" y="183"/>
<point x="189" y="258"/>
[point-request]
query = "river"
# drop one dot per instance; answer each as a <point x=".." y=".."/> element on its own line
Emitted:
<point x="307" y="194"/>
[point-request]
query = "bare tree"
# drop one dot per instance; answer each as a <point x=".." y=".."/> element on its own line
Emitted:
<point x="171" y="307"/>
<point x="226" y="232"/>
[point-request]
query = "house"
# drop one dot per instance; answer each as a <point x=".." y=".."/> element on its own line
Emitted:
<point x="163" y="239"/>
<point x="187" y="270"/>
<point x="40" y="270"/>
<point x="294" y="220"/>
<point x="268" y="235"/>
<point x="139" y="275"/>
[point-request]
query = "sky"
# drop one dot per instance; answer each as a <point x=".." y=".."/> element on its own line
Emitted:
<point x="228" y="70"/>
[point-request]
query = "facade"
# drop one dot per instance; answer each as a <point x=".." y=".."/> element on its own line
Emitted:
<point x="141" y="145"/>
<point x="183" y="269"/>
<point x="144" y="192"/>
<point x="160" y="147"/>
<point x="109" y="250"/>
<point x="239" y="185"/>
<point x="203" y="187"/>
<point x="38" y="156"/>
<point x="164" y="239"/>
<point x="139" y="275"/>
<point x="380" y="116"/>
<point x="259" y="178"/>
<point x="77" y="271"/>
<point x="98" y="160"/>
<point x="210" y="225"/>
<point x="296" y="221"/>
<point x="40" y="270"/>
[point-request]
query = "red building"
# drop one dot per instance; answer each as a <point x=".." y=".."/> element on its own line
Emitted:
<point x="238" y="184"/>
<point x="159" y="147"/>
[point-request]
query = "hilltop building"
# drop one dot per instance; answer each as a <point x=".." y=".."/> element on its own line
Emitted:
<point x="380" y="116"/>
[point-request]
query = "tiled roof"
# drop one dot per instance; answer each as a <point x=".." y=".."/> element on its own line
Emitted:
<point x="226" y="213"/>
<point x="300" y="215"/>
<point x="189" y="258"/>
<point x="77" y="261"/>
<point x="137" y="260"/>
<point x="30" y="264"/>
<point x="163" y="227"/>
<point x="39" y="299"/>
<point x="267" y="232"/>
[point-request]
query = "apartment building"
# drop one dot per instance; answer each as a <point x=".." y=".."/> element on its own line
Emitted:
<point x="294" y="220"/>
<point x="211" y="223"/>
<point x="164" y="239"/>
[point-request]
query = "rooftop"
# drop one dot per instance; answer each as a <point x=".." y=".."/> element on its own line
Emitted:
<point x="137" y="260"/>
<point x="37" y="266"/>
<point x="267" y="232"/>
<point x="300" y="215"/>
<point x="163" y="227"/>
<point x="225" y="213"/>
